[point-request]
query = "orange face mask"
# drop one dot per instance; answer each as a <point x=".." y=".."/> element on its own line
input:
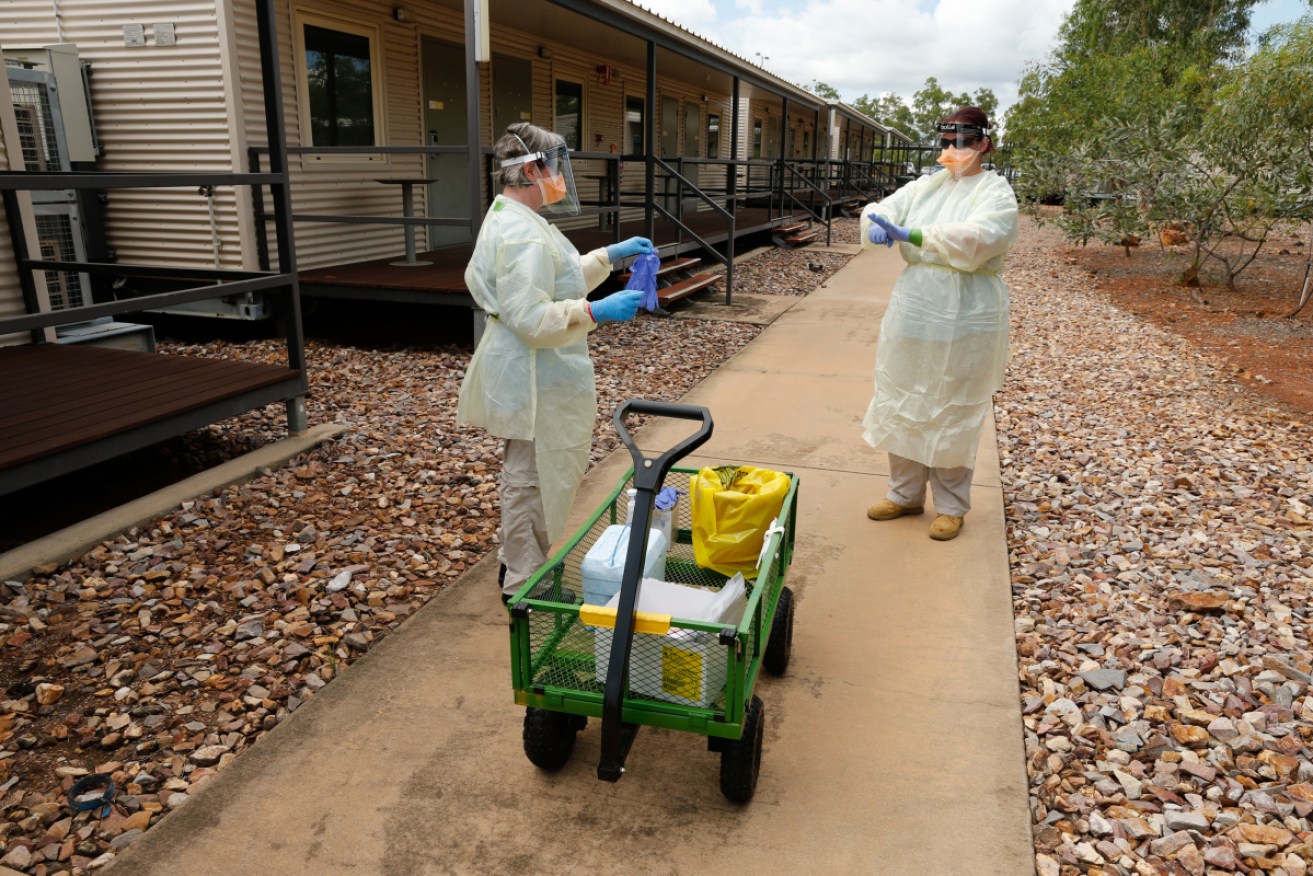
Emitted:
<point x="956" y="159"/>
<point x="553" y="188"/>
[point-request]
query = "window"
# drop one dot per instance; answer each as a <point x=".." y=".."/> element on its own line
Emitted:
<point x="756" y="138"/>
<point x="570" y="113"/>
<point x="634" y="141"/>
<point x="340" y="95"/>
<point x="713" y="136"/>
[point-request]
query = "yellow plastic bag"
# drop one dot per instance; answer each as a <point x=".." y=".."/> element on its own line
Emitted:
<point x="732" y="509"/>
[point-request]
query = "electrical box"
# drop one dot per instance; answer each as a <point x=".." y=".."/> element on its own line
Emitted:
<point x="71" y="82"/>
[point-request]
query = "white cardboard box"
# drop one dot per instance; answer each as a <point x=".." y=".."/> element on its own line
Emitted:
<point x="682" y="666"/>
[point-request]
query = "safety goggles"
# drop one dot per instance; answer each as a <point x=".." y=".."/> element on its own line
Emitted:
<point x="953" y="136"/>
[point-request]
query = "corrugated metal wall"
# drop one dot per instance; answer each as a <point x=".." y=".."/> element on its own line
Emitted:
<point x="157" y="108"/>
<point x="336" y="186"/>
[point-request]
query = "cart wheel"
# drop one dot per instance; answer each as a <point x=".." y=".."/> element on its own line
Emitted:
<point x="740" y="762"/>
<point x="549" y="737"/>
<point x="780" y="644"/>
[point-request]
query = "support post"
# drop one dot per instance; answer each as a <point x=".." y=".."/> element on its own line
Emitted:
<point x="649" y="144"/>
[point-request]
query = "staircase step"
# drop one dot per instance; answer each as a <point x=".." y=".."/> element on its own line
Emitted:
<point x="667" y="267"/>
<point x="800" y="239"/>
<point x="790" y="229"/>
<point x="683" y="288"/>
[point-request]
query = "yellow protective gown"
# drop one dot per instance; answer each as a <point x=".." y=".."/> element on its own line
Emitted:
<point x="944" y="338"/>
<point x="531" y="377"/>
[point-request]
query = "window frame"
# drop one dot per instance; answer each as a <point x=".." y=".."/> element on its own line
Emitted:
<point x="301" y="17"/>
<point x="583" y="102"/>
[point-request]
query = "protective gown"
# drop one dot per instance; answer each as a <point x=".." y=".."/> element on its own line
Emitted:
<point x="944" y="338"/>
<point x="531" y="377"/>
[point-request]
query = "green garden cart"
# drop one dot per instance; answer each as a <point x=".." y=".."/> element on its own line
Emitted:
<point x="572" y="660"/>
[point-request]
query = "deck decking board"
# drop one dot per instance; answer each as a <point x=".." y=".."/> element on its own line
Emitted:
<point x="56" y="398"/>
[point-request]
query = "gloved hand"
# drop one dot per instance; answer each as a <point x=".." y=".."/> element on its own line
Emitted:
<point x="626" y="248"/>
<point x="876" y="234"/>
<point x="617" y="307"/>
<point x="897" y="232"/>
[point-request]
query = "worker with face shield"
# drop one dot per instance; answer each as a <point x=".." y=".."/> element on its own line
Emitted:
<point x="530" y="380"/>
<point x="943" y="341"/>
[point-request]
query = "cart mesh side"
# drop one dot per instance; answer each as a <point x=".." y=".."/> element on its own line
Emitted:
<point x="690" y="666"/>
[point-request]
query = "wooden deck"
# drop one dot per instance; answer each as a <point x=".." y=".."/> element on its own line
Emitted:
<point x="63" y="407"/>
<point x="443" y="281"/>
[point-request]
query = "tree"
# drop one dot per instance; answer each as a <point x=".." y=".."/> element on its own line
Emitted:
<point x="889" y="110"/>
<point x="1264" y="117"/>
<point x="1147" y="113"/>
<point x="821" y="89"/>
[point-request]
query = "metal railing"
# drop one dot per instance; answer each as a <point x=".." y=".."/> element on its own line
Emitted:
<point x="260" y="215"/>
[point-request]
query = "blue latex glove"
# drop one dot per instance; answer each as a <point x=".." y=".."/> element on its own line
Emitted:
<point x="626" y="248"/>
<point x="876" y="234"/>
<point x="617" y="307"/>
<point x="897" y="232"/>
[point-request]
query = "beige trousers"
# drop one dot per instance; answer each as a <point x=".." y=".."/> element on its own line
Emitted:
<point x="951" y="487"/>
<point x="524" y="545"/>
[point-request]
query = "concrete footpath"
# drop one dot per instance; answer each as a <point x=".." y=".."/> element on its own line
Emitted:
<point x="892" y="746"/>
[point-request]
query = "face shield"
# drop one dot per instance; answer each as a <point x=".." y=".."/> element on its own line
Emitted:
<point x="550" y="171"/>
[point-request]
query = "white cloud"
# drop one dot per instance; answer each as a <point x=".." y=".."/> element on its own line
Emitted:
<point x="877" y="46"/>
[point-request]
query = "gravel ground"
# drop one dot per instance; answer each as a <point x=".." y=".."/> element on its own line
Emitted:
<point x="1159" y="532"/>
<point x="1158" y="524"/>
<point x="161" y="655"/>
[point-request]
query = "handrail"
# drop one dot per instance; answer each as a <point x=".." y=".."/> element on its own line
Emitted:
<point x="682" y="181"/>
<point x="829" y="202"/>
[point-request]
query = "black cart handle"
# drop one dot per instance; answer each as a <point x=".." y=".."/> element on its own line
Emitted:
<point x="649" y="472"/>
<point x="617" y="736"/>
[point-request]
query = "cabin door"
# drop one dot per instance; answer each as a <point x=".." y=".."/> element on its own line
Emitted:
<point x="512" y="93"/>
<point x="446" y="124"/>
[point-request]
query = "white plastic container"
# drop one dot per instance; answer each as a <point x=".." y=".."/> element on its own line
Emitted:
<point x="603" y="566"/>
<point x="662" y="520"/>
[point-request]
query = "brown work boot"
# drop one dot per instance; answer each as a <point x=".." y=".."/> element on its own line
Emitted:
<point x="945" y="527"/>
<point x="890" y="510"/>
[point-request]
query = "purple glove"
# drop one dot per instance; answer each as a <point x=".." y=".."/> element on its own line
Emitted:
<point x="897" y="232"/>
<point x="643" y="278"/>
<point x="876" y="234"/>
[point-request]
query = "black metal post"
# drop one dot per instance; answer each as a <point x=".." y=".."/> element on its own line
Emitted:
<point x="733" y="199"/>
<point x="649" y="144"/>
<point x="258" y="214"/>
<point x="21" y="256"/>
<point x="474" y="131"/>
<point x="281" y="194"/>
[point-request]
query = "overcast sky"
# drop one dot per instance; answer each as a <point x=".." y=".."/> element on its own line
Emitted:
<point x="876" y="46"/>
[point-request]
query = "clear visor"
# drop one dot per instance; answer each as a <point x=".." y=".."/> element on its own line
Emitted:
<point x="550" y="171"/>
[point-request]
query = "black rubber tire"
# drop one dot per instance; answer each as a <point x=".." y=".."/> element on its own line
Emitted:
<point x="549" y="737"/>
<point x="780" y="644"/>
<point x="740" y="762"/>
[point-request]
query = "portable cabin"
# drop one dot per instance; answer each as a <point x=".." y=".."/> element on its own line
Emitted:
<point x="672" y="135"/>
<point x="863" y="149"/>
